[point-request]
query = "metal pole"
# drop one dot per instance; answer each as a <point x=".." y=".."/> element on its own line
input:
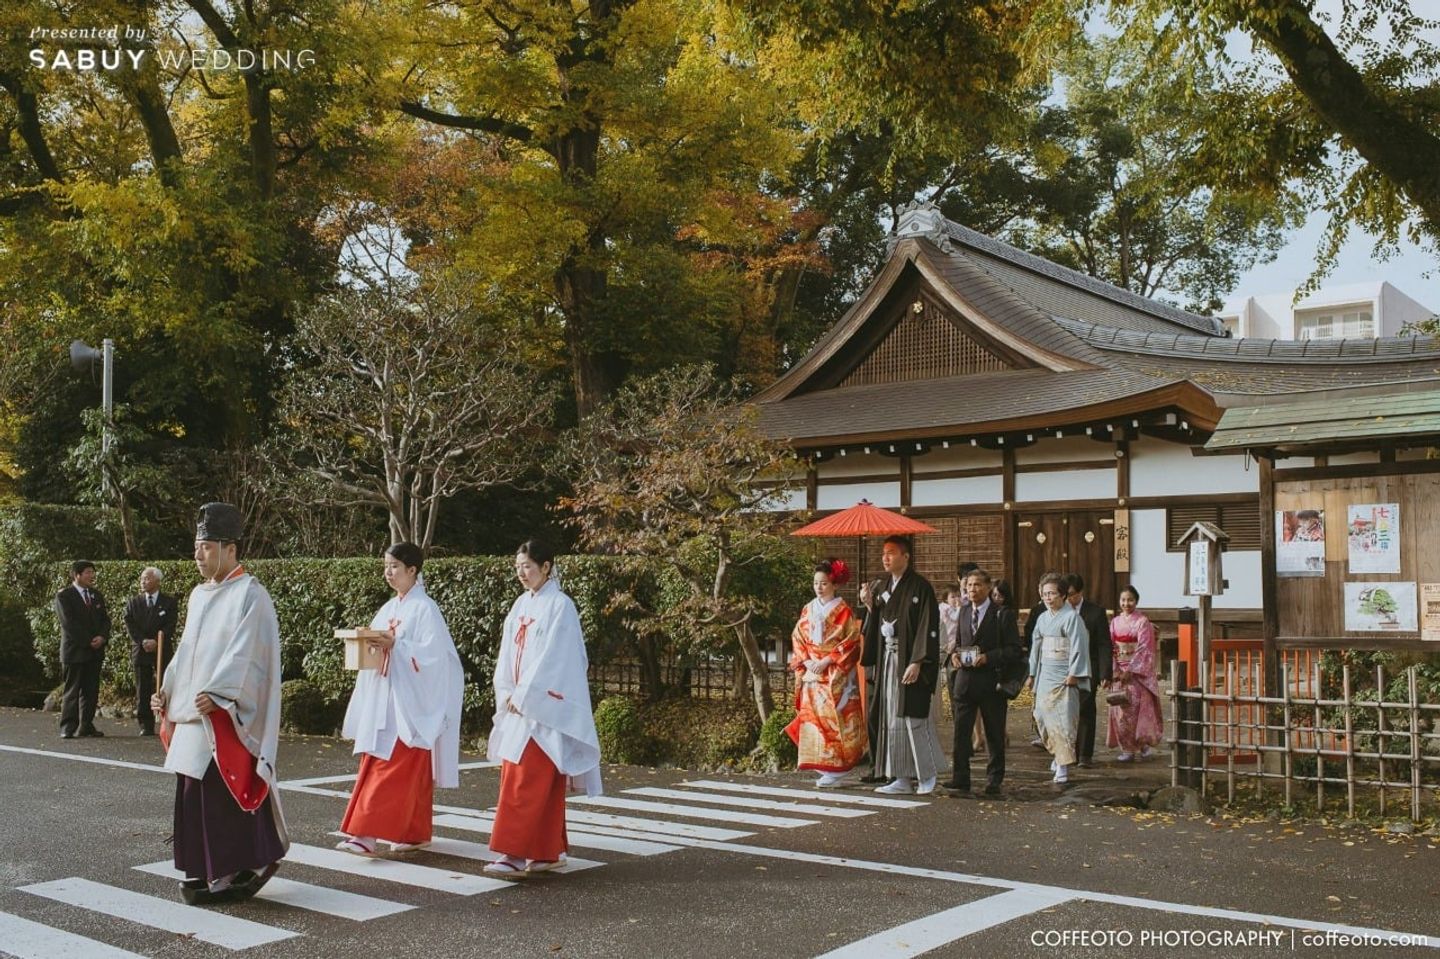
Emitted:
<point x="107" y="393"/>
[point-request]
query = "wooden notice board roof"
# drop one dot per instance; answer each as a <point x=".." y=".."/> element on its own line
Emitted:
<point x="1330" y="423"/>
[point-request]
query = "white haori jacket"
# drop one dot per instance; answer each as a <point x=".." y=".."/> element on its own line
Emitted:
<point x="543" y="672"/>
<point x="417" y="699"/>
<point x="230" y="649"/>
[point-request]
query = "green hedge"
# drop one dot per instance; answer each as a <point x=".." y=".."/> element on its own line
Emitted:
<point x="314" y="597"/>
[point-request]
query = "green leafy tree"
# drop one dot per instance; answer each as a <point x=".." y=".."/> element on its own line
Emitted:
<point x="623" y="205"/>
<point x="676" y="470"/>
<point x="1119" y="175"/>
<point x="171" y="208"/>
<point x="1340" y="102"/>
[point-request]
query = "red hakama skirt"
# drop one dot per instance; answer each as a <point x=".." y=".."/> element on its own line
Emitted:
<point x="530" y="817"/>
<point x="393" y="798"/>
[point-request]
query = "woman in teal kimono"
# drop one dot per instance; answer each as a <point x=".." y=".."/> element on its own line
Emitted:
<point x="1059" y="669"/>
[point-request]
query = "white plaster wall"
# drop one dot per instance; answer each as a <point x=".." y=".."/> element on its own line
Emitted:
<point x="856" y="463"/>
<point x="957" y="492"/>
<point x="792" y="500"/>
<point x="1071" y="484"/>
<point x="1158" y="468"/>
<point x="1344" y="458"/>
<point x="1160" y="575"/>
<point x="1396" y="309"/>
<point x="847" y="495"/>
<point x="1067" y="449"/>
<point x="960" y="456"/>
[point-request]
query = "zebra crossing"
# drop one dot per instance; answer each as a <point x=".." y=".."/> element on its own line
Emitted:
<point x="638" y="822"/>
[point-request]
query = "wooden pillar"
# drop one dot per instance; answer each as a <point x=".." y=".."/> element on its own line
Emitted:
<point x="905" y="481"/>
<point x="1007" y="494"/>
<point x="1122" y="470"/>
<point x="812" y="486"/>
<point x="1270" y="613"/>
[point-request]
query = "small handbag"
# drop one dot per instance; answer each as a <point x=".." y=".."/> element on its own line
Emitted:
<point x="1117" y="696"/>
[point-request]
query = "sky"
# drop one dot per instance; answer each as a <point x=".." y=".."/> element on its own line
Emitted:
<point x="1411" y="270"/>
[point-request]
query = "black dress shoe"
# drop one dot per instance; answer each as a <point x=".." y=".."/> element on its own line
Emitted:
<point x="147" y="732"/>
<point x="92" y="731"/>
<point x="66" y="734"/>
<point x="993" y="789"/>
<point x="248" y="882"/>
<point x="1085" y="763"/>
<point x="194" y="892"/>
<point x="953" y="786"/>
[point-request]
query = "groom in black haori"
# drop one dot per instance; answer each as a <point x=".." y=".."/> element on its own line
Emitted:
<point x="902" y="665"/>
<point x="220" y="706"/>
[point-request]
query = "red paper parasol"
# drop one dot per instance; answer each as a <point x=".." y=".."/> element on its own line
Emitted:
<point x="864" y="519"/>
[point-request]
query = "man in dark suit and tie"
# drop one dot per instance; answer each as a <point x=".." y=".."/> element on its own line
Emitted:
<point x="1097" y="624"/>
<point x="84" y="633"/>
<point x="987" y="648"/>
<point x="146" y="615"/>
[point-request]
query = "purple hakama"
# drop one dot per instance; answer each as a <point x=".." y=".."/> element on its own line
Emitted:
<point x="221" y="838"/>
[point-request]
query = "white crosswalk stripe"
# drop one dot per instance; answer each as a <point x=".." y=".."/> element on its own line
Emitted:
<point x="406" y="873"/>
<point x="608" y="841"/>
<point x="303" y="895"/>
<point x="692" y="812"/>
<point x="932" y="932"/>
<point x="463" y="849"/>
<point x="24" y="939"/>
<point x="829" y="795"/>
<point x="229" y="932"/>
<point x="810" y="809"/>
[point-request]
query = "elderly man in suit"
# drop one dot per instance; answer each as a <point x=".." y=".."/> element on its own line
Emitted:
<point x="84" y="634"/>
<point x="147" y="615"/>
<point x="987" y="648"/>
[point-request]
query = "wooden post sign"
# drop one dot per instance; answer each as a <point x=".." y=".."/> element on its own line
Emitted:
<point x="1203" y="543"/>
<point x="360" y="651"/>
<point x="1122" y="541"/>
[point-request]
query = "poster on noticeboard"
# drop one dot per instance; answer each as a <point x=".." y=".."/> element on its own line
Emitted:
<point x="1374" y="537"/>
<point x="1299" y="542"/>
<point x="1380" y="607"/>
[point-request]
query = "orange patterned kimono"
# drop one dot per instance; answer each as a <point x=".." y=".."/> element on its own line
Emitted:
<point x="829" y="725"/>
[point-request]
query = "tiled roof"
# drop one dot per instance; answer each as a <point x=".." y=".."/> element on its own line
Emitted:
<point x="952" y="402"/>
<point x="1253" y="350"/>
<point x="1061" y="291"/>
<point x="1327" y="422"/>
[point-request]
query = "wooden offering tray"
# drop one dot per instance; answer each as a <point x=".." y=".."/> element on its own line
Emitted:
<point x="360" y="651"/>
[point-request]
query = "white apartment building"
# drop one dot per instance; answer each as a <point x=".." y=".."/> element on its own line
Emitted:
<point x="1354" y="311"/>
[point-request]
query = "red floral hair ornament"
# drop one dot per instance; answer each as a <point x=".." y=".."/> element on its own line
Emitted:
<point x="839" y="572"/>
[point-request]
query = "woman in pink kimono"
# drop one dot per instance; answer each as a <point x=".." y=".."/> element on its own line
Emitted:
<point x="1135" y="724"/>
<point x="829" y="724"/>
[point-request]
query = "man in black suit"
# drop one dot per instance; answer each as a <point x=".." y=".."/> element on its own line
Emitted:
<point x="988" y="647"/>
<point x="146" y="615"/>
<point x="84" y="633"/>
<point x="1097" y="624"/>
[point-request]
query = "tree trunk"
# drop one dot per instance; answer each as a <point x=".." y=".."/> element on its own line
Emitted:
<point x="650" y="679"/>
<point x="1399" y="146"/>
<point x="759" y="670"/>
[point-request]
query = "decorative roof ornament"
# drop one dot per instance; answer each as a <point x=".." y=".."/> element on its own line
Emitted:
<point x="920" y="219"/>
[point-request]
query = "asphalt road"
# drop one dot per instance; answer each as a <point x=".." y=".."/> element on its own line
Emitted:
<point x="699" y="865"/>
